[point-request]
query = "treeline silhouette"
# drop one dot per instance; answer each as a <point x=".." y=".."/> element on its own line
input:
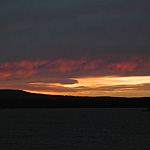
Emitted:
<point x="21" y="99"/>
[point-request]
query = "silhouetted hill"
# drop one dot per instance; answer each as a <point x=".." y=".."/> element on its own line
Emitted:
<point x="22" y="99"/>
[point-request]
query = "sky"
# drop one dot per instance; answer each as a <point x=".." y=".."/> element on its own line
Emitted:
<point x="76" y="47"/>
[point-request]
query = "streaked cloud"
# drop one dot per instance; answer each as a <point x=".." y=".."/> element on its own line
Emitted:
<point x="70" y="68"/>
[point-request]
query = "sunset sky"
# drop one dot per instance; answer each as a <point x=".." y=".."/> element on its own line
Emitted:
<point x="76" y="47"/>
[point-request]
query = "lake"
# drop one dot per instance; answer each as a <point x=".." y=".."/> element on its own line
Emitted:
<point x="74" y="129"/>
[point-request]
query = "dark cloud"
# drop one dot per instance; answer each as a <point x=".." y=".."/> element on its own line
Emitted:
<point x="35" y="29"/>
<point x="61" y="81"/>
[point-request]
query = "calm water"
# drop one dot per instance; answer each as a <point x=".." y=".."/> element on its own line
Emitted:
<point x="74" y="129"/>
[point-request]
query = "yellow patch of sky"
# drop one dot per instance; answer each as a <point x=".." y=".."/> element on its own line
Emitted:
<point x="109" y="81"/>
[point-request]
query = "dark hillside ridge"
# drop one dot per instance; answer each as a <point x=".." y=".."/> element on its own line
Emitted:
<point x="22" y="99"/>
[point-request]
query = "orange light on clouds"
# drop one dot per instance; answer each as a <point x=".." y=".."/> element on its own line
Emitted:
<point x="133" y="86"/>
<point x="110" y="81"/>
<point x="60" y="76"/>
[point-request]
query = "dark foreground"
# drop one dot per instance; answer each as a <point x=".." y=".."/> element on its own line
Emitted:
<point x="74" y="129"/>
<point x="21" y="99"/>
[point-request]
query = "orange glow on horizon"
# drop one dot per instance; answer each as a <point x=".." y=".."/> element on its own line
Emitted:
<point x="110" y="81"/>
<point x="100" y="86"/>
<point x="79" y="77"/>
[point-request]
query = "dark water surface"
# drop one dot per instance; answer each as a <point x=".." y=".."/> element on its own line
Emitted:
<point x="74" y="129"/>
